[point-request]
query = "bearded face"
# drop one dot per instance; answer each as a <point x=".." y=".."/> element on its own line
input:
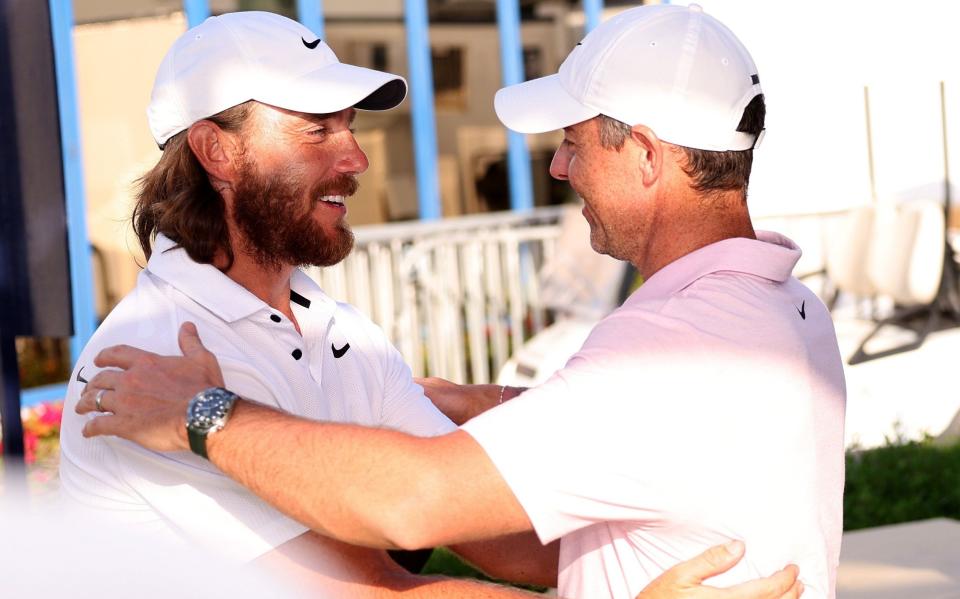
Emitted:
<point x="281" y="222"/>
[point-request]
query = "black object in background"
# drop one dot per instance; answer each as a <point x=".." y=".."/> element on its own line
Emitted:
<point x="34" y="258"/>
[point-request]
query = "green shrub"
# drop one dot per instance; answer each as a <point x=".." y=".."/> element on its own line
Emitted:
<point x="445" y="562"/>
<point x="901" y="482"/>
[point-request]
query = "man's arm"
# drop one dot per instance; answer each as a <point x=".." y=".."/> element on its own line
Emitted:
<point x="517" y="558"/>
<point x="148" y="404"/>
<point x="323" y="567"/>
<point x="521" y="557"/>
<point x="460" y="403"/>
<point x="370" y="487"/>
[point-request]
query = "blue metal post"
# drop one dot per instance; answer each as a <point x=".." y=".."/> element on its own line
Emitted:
<point x="310" y="13"/>
<point x="511" y="60"/>
<point x="592" y="10"/>
<point x="81" y="272"/>
<point x="197" y="11"/>
<point x="421" y="108"/>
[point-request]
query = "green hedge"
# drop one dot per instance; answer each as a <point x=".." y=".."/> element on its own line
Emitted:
<point x="901" y="482"/>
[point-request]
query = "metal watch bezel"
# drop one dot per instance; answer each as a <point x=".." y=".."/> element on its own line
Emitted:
<point x="207" y="413"/>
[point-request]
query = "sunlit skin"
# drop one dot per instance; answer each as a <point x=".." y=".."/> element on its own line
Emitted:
<point x="638" y="201"/>
<point x="314" y="147"/>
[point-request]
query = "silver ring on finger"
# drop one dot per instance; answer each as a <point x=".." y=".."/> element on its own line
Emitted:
<point x="99" y="398"/>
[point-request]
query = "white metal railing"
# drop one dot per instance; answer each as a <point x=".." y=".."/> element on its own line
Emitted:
<point x="456" y="296"/>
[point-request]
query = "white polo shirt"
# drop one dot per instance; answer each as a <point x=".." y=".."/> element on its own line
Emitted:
<point x="341" y="369"/>
<point x="709" y="407"/>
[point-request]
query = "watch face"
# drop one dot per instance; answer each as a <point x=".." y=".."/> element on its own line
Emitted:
<point x="209" y="410"/>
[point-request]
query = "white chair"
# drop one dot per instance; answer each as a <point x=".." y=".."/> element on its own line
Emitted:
<point x="910" y="261"/>
<point x="847" y="251"/>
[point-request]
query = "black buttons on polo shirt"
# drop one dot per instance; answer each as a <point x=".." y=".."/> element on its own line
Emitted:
<point x="275" y="318"/>
<point x="297" y="354"/>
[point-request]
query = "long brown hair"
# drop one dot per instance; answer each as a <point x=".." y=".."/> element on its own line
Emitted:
<point x="175" y="198"/>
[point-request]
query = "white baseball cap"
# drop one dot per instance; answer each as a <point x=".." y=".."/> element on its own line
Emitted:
<point x="672" y="68"/>
<point x="232" y="58"/>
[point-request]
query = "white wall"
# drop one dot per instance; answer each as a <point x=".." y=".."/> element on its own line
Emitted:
<point x="814" y="59"/>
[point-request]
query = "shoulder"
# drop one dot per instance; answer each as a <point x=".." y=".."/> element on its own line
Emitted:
<point x="355" y="324"/>
<point x="145" y="318"/>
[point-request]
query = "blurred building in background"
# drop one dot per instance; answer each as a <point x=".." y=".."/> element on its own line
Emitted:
<point x="120" y="43"/>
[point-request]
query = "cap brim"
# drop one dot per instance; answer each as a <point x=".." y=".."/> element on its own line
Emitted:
<point x="339" y="86"/>
<point x="539" y="105"/>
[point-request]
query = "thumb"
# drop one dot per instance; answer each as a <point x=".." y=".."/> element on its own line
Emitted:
<point x="713" y="561"/>
<point x="189" y="340"/>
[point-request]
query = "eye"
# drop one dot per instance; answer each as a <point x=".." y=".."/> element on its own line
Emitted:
<point x="318" y="132"/>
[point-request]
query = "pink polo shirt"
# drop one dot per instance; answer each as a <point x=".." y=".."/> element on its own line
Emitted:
<point x="708" y="407"/>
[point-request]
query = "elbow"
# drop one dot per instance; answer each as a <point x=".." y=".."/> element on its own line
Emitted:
<point x="414" y="520"/>
<point x="407" y="528"/>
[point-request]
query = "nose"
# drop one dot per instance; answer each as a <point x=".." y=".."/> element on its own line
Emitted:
<point x="560" y="162"/>
<point x="353" y="160"/>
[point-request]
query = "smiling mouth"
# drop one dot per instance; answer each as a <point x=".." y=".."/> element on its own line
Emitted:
<point x="336" y="200"/>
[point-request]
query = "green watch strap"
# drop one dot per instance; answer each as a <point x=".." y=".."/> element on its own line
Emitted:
<point x="198" y="443"/>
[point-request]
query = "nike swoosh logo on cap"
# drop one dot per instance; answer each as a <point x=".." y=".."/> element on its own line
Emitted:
<point x="312" y="45"/>
<point x="338" y="353"/>
<point x="802" y="309"/>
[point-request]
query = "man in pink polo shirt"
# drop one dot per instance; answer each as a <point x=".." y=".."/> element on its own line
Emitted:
<point x="709" y="407"/>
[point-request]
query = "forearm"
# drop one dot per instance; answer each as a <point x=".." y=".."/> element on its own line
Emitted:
<point x="517" y="558"/>
<point x="322" y="567"/>
<point x="460" y="403"/>
<point x="369" y="487"/>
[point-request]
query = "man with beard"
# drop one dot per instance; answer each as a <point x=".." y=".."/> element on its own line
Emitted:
<point x="254" y="119"/>
<point x="253" y="115"/>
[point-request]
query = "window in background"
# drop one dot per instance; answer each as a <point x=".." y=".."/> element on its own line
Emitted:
<point x="449" y="88"/>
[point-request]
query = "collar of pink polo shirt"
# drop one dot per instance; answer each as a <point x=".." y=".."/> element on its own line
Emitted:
<point x="771" y="256"/>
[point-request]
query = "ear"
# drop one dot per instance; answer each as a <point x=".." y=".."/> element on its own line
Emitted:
<point x="650" y="153"/>
<point x="214" y="148"/>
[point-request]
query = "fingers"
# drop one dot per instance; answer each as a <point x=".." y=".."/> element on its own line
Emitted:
<point x="107" y="424"/>
<point x="795" y="591"/>
<point x="713" y="561"/>
<point x="193" y="348"/>
<point x="122" y="356"/>
<point x="780" y="585"/>
<point x="88" y="400"/>
<point x="189" y="340"/>
<point x="105" y="379"/>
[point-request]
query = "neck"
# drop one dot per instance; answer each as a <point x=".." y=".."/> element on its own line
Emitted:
<point x="272" y="285"/>
<point x="694" y="221"/>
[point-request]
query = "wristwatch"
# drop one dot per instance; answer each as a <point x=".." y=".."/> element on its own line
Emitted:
<point x="207" y="413"/>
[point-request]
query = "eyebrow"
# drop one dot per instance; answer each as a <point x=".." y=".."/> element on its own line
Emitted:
<point x="315" y="118"/>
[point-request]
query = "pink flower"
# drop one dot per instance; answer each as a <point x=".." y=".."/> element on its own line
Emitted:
<point x="30" y="441"/>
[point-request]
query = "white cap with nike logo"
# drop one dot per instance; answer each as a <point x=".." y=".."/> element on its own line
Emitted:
<point x="235" y="57"/>
<point x="672" y="68"/>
